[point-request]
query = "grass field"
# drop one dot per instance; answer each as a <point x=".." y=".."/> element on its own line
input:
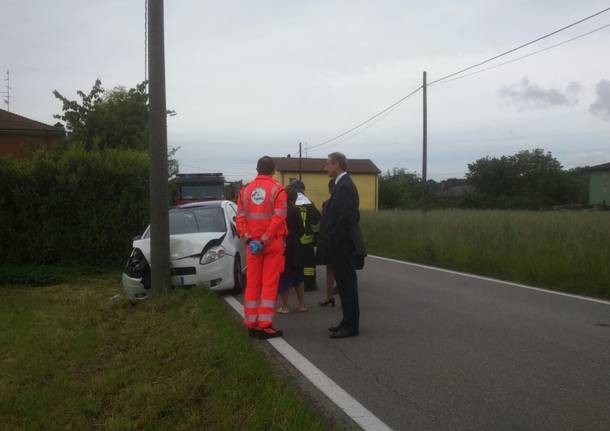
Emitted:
<point x="565" y="251"/>
<point x="73" y="358"/>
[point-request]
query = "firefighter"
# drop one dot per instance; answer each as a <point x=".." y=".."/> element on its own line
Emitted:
<point x="261" y="222"/>
<point x="311" y="222"/>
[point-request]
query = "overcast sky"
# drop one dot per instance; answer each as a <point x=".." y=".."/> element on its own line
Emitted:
<point x="249" y="78"/>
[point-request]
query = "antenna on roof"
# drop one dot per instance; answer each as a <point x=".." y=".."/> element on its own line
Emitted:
<point x="7" y="92"/>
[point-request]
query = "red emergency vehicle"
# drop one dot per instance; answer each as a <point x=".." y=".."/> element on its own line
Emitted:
<point x="187" y="188"/>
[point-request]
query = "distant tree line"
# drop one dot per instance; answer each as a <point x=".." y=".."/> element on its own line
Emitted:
<point x="526" y="180"/>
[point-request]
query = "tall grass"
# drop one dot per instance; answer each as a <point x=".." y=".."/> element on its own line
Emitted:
<point x="566" y="251"/>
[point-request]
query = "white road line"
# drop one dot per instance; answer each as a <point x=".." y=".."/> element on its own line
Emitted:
<point x="356" y="411"/>
<point x="494" y="280"/>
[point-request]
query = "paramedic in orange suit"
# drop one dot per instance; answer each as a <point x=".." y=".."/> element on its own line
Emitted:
<point x="261" y="222"/>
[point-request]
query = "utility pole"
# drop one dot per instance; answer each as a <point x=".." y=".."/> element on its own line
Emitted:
<point x="424" y="175"/>
<point x="157" y="142"/>
<point x="300" y="160"/>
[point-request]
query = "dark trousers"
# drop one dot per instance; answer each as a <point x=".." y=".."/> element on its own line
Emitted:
<point x="344" y="266"/>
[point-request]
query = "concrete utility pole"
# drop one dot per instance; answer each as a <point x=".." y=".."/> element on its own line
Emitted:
<point x="424" y="170"/>
<point x="300" y="160"/>
<point x="157" y="141"/>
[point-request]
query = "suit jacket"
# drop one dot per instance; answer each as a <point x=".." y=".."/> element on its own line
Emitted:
<point x="340" y="235"/>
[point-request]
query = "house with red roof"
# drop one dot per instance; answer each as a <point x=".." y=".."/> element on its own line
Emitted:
<point x="20" y="136"/>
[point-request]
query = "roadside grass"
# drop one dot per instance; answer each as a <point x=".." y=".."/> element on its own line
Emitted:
<point x="564" y="251"/>
<point x="12" y="274"/>
<point x="73" y="358"/>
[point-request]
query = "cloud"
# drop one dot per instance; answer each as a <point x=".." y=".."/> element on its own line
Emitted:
<point x="526" y="95"/>
<point x="601" y="107"/>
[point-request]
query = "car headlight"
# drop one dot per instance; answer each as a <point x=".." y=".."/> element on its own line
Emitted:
<point x="212" y="255"/>
<point x="136" y="264"/>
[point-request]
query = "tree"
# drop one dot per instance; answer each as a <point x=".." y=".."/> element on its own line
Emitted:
<point x="173" y="167"/>
<point x="527" y="179"/>
<point x="116" y="118"/>
<point x="106" y="119"/>
<point x="399" y="189"/>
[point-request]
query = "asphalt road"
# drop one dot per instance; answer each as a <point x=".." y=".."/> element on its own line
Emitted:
<point x="440" y="351"/>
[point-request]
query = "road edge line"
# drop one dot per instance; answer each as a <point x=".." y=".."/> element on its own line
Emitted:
<point x="495" y="280"/>
<point x="349" y="405"/>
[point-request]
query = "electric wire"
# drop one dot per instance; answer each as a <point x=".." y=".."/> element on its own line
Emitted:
<point x="523" y="57"/>
<point x="368" y="120"/>
<point x="519" y="47"/>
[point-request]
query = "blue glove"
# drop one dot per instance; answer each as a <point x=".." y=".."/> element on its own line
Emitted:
<point x="255" y="247"/>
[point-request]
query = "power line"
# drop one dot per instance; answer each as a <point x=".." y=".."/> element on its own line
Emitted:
<point x="395" y="104"/>
<point x="368" y="126"/>
<point x="519" y="47"/>
<point x="391" y="107"/>
<point x="368" y="120"/>
<point x="526" y="56"/>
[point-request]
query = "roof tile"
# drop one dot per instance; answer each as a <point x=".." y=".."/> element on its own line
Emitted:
<point x="10" y="121"/>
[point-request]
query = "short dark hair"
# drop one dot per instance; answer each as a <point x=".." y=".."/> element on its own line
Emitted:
<point x="298" y="185"/>
<point x="265" y="166"/>
<point x="291" y="194"/>
<point x="338" y="159"/>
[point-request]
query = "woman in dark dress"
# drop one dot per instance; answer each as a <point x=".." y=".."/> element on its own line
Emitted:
<point x="292" y="277"/>
<point x="321" y="259"/>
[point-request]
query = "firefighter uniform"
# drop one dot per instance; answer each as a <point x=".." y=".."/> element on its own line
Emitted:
<point x="262" y="216"/>
<point x="311" y="222"/>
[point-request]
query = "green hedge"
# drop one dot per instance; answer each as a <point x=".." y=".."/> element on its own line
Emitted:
<point x="72" y="207"/>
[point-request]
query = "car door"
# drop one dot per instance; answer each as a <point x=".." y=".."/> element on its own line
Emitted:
<point x="234" y="239"/>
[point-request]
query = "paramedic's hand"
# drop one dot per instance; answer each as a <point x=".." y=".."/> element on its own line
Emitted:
<point x="255" y="247"/>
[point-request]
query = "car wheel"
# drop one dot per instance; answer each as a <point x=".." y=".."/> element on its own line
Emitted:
<point x="238" y="276"/>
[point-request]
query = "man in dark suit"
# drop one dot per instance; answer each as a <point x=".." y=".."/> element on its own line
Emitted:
<point x="340" y="241"/>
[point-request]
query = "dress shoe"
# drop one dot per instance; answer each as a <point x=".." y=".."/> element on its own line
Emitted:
<point x="343" y="333"/>
<point x="266" y="333"/>
<point x="335" y="328"/>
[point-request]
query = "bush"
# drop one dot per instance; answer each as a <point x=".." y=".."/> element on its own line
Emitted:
<point x="72" y="207"/>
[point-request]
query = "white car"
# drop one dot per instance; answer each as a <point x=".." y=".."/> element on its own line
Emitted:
<point x="205" y="250"/>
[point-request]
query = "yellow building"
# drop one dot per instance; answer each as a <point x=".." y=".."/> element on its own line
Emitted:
<point x="364" y="173"/>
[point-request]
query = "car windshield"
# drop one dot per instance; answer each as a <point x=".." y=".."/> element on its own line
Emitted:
<point x="210" y="219"/>
<point x="193" y="220"/>
<point x="201" y="191"/>
<point x="181" y="222"/>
